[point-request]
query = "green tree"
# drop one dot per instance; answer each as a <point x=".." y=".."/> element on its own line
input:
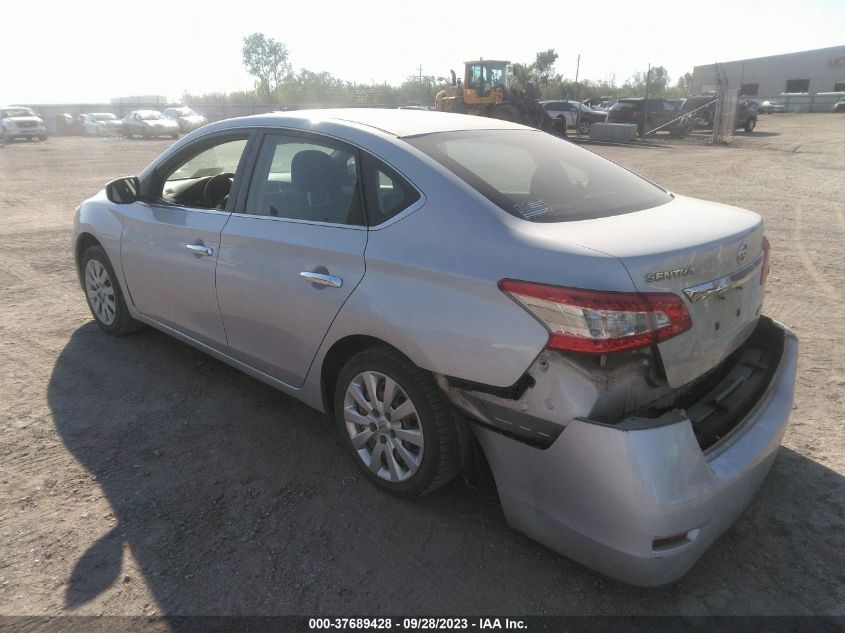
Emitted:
<point x="538" y="73"/>
<point x="658" y="80"/>
<point x="684" y="85"/>
<point x="265" y="59"/>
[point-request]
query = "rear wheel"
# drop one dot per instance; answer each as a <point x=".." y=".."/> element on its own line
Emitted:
<point x="750" y="124"/>
<point x="506" y="112"/>
<point x="395" y="423"/>
<point x="584" y="127"/>
<point x="103" y="294"/>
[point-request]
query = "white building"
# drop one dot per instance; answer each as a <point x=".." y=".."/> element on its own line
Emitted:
<point x="798" y="77"/>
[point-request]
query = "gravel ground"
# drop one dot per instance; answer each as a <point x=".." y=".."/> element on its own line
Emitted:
<point x="139" y="476"/>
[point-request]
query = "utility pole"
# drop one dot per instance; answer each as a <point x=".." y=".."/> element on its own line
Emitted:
<point x="578" y="95"/>
<point x="645" y="103"/>
<point x="421" y="88"/>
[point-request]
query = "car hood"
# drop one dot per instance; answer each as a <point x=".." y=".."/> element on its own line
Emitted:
<point x="158" y="122"/>
<point x="24" y="119"/>
<point x="679" y="247"/>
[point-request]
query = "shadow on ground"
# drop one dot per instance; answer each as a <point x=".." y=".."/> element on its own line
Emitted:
<point x="235" y="499"/>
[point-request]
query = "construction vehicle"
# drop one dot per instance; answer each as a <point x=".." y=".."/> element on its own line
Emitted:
<point x="485" y="92"/>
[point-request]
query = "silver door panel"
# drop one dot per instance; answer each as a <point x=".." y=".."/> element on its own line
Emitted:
<point x="275" y="318"/>
<point x="167" y="281"/>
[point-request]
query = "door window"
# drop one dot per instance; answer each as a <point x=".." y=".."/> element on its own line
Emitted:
<point x="204" y="179"/>
<point x="304" y="179"/>
<point x="478" y="80"/>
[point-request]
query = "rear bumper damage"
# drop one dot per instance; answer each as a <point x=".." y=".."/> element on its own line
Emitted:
<point x="639" y="499"/>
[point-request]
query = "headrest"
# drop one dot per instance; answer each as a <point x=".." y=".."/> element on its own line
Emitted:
<point x="312" y="170"/>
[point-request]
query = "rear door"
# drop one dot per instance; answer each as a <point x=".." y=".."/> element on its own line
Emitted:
<point x="294" y="253"/>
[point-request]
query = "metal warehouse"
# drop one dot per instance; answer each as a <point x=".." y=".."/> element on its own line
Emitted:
<point x="804" y="81"/>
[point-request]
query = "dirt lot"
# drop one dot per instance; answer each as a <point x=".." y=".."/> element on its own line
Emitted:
<point x="139" y="476"/>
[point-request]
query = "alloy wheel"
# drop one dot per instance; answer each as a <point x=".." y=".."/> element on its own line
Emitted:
<point x="384" y="426"/>
<point x="100" y="292"/>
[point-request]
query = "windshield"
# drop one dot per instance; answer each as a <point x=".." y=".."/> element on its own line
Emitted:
<point x="538" y="177"/>
<point x="150" y="116"/>
<point x="15" y="112"/>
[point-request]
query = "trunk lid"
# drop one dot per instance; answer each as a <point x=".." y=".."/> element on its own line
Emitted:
<point x="708" y="254"/>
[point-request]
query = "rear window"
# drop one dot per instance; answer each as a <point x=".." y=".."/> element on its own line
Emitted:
<point x="538" y="177"/>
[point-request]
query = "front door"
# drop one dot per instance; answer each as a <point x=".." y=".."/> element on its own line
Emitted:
<point x="170" y="244"/>
<point x="292" y="257"/>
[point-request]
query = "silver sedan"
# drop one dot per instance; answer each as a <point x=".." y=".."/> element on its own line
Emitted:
<point x="440" y="284"/>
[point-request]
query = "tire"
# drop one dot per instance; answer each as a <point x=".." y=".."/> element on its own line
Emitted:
<point x="42" y="137"/>
<point x="422" y="447"/>
<point x="99" y="284"/>
<point x="750" y="124"/>
<point x="584" y="127"/>
<point x="174" y="136"/>
<point x="506" y="112"/>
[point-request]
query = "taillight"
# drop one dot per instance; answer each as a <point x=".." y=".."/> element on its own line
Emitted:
<point x="764" y="271"/>
<point x="635" y="114"/>
<point x="600" y="322"/>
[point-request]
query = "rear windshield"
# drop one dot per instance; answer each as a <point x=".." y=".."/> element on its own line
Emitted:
<point x="538" y="177"/>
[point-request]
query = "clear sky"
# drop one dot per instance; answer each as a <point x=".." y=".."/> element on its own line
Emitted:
<point x="89" y="51"/>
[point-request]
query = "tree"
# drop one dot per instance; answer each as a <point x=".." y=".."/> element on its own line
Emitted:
<point x="539" y="72"/>
<point x="684" y="85"/>
<point x="265" y="59"/>
<point x="658" y="80"/>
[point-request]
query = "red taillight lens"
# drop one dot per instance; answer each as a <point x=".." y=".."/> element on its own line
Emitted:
<point x="600" y="322"/>
<point x="635" y="114"/>
<point x="764" y="270"/>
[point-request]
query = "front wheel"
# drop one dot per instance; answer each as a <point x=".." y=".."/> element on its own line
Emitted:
<point x="750" y="125"/>
<point x="584" y="127"/>
<point x="103" y="294"/>
<point x="395" y="423"/>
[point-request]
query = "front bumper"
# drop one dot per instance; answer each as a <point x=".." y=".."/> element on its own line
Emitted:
<point x="607" y="496"/>
<point x="28" y="132"/>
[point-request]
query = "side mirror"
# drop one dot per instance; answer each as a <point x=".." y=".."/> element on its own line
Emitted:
<point x="123" y="190"/>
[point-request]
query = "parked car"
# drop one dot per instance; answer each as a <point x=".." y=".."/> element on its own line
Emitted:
<point x="20" y="122"/>
<point x="569" y="110"/>
<point x="840" y="105"/>
<point x="417" y="274"/>
<point x="101" y="124"/>
<point x="149" y="123"/>
<point x="187" y="119"/>
<point x="702" y="109"/>
<point x="770" y="107"/>
<point x="606" y="105"/>
<point x="661" y="114"/>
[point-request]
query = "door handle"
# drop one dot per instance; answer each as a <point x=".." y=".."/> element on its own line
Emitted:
<point x="324" y="280"/>
<point x="200" y="249"/>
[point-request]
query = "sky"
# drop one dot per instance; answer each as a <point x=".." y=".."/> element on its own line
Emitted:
<point x="88" y="52"/>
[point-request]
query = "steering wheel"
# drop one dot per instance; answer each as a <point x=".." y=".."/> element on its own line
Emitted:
<point x="217" y="188"/>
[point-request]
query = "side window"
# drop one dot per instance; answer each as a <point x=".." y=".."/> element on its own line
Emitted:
<point x="204" y="179"/>
<point x="387" y="193"/>
<point x="304" y="179"/>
